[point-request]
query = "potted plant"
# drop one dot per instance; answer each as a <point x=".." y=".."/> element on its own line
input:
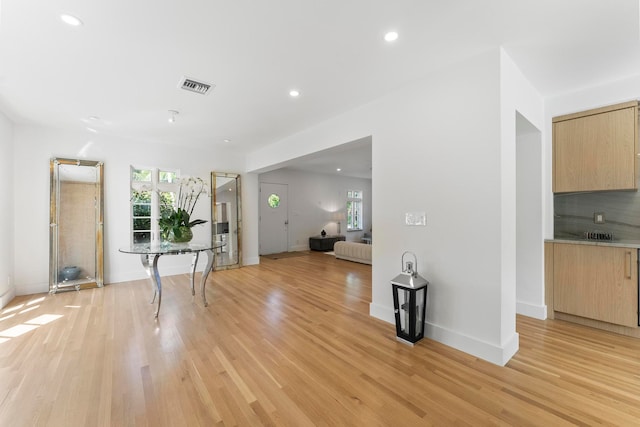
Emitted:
<point x="176" y="223"/>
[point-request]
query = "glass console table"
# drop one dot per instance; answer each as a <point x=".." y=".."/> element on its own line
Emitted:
<point x="155" y="251"/>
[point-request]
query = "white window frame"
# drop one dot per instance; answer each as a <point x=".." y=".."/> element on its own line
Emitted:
<point x="354" y="199"/>
<point x="155" y="187"/>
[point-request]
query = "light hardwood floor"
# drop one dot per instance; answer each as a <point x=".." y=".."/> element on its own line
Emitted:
<point x="289" y="342"/>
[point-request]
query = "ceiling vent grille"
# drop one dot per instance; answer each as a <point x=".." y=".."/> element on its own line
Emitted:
<point x="195" y="86"/>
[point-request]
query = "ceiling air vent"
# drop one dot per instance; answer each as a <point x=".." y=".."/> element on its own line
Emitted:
<point x="195" y="86"/>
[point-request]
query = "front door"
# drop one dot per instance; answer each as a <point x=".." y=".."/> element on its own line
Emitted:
<point x="274" y="219"/>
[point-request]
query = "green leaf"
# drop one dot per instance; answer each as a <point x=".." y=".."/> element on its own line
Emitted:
<point x="184" y="216"/>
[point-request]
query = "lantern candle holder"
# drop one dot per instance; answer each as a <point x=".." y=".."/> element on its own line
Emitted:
<point x="409" y="302"/>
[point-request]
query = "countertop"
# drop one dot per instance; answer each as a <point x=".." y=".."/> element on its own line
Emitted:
<point x="615" y="243"/>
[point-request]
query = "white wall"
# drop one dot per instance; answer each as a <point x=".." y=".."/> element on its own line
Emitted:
<point x="311" y="197"/>
<point x="437" y="148"/>
<point x="250" y="218"/>
<point x="529" y="234"/>
<point x="35" y="146"/>
<point x="7" y="288"/>
<point x="522" y="201"/>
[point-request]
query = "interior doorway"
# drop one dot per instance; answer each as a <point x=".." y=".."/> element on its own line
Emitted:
<point x="529" y="227"/>
<point x="274" y="218"/>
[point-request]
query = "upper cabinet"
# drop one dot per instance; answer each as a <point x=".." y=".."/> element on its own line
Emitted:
<point x="596" y="150"/>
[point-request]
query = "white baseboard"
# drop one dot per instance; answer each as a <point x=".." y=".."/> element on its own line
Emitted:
<point x="382" y="313"/>
<point x="140" y="273"/>
<point x="298" y="248"/>
<point x="137" y="274"/>
<point x="495" y="354"/>
<point x="530" y="310"/>
<point x="251" y="261"/>
<point x="7" y="297"/>
<point x="37" y="288"/>
<point x="498" y="355"/>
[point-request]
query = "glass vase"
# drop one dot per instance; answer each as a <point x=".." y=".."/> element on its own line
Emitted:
<point x="185" y="235"/>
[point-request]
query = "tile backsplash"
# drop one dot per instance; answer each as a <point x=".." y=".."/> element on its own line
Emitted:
<point x="574" y="214"/>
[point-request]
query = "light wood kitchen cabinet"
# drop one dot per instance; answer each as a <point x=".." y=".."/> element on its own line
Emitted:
<point x="596" y="282"/>
<point x="596" y="150"/>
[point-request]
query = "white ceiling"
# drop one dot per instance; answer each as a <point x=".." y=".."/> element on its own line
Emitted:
<point x="124" y="64"/>
<point x="352" y="159"/>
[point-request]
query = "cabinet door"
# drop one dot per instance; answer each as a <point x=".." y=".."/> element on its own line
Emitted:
<point x="596" y="152"/>
<point x="597" y="282"/>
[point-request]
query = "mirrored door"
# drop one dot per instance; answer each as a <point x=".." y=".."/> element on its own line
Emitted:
<point x="76" y="225"/>
<point x="226" y="218"/>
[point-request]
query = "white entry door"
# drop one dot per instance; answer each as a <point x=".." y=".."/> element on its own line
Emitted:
<point x="274" y="219"/>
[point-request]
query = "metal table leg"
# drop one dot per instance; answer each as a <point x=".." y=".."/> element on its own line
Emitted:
<point x="155" y="278"/>
<point x="152" y="271"/>
<point x="192" y="273"/>
<point x="144" y="258"/>
<point x="209" y="267"/>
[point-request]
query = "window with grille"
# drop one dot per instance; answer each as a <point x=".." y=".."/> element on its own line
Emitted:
<point x="153" y="191"/>
<point x="354" y="210"/>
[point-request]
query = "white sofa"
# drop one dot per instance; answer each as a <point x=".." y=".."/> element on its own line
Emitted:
<point x="352" y="251"/>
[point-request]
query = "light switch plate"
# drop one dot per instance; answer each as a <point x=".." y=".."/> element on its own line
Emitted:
<point x="415" y="218"/>
<point x="598" y="218"/>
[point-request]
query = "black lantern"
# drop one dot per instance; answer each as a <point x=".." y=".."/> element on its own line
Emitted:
<point x="409" y="302"/>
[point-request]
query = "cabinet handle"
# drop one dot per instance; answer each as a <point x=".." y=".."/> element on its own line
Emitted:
<point x="627" y="266"/>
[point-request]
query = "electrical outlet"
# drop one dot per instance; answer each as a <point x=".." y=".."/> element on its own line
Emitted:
<point x="598" y="218"/>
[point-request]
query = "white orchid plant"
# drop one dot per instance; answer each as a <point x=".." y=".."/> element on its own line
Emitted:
<point x="173" y="220"/>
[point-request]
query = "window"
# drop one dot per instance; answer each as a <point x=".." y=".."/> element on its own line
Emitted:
<point x="354" y="210"/>
<point x="274" y="201"/>
<point x="153" y="191"/>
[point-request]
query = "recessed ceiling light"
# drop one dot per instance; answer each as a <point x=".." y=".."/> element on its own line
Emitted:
<point x="294" y="93"/>
<point x="92" y="130"/>
<point x="71" y="20"/>
<point x="338" y="170"/>
<point x="391" y="36"/>
<point x="226" y="140"/>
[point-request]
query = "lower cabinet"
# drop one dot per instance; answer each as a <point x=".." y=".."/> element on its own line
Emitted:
<point x="324" y="243"/>
<point x="596" y="282"/>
